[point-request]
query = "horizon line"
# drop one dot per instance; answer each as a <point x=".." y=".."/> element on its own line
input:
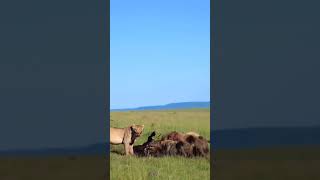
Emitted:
<point x="161" y="104"/>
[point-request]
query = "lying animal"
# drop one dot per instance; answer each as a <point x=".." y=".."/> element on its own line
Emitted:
<point x="126" y="136"/>
<point x="193" y="133"/>
<point x="196" y="134"/>
<point x="140" y="149"/>
<point x="174" y="144"/>
<point x="199" y="144"/>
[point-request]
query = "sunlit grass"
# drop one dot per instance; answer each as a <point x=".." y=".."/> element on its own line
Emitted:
<point x="175" y="168"/>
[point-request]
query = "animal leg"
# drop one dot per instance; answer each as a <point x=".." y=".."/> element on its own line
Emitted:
<point x="126" y="148"/>
<point x="131" y="150"/>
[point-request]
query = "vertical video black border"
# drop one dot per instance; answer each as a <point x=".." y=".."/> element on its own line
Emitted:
<point x="105" y="56"/>
<point x="215" y="54"/>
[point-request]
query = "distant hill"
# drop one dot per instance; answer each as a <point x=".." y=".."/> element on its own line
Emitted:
<point x="181" y="105"/>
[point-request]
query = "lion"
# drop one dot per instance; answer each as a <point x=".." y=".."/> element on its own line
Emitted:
<point x="196" y="135"/>
<point x="193" y="134"/>
<point x="126" y="136"/>
<point x="174" y="136"/>
<point x="201" y="147"/>
<point x="199" y="144"/>
<point x="174" y="143"/>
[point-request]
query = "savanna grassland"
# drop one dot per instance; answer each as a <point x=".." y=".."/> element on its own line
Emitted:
<point x="175" y="168"/>
<point x="292" y="163"/>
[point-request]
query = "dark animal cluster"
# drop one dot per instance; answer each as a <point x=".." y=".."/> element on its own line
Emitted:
<point x="174" y="144"/>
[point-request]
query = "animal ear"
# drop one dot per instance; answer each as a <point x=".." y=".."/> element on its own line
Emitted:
<point x="134" y="128"/>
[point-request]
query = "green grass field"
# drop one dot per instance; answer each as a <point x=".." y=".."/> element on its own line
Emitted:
<point x="265" y="164"/>
<point x="175" y="168"/>
<point x="296" y="163"/>
<point x="255" y="164"/>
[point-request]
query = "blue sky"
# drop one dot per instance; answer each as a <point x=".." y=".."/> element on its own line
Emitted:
<point x="159" y="52"/>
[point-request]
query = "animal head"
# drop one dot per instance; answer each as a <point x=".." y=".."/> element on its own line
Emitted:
<point x="137" y="129"/>
<point x="174" y="136"/>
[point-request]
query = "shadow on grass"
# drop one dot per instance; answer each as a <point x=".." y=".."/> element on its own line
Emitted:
<point x="116" y="152"/>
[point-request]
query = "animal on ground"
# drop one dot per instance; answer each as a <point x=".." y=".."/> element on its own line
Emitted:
<point x="200" y="147"/>
<point x="174" y="136"/>
<point x="199" y="144"/>
<point x="140" y="149"/>
<point x="174" y="143"/>
<point x="193" y="133"/>
<point x="126" y="136"/>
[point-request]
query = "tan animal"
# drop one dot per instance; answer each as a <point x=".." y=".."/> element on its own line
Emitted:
<point x="174" y="143"/>
<point x="126" y="136"/>
<point x="174" y="136"/>
<point x="193" y="134"/>
<point x="199" y="144"/>
<point x="196" y="135"/>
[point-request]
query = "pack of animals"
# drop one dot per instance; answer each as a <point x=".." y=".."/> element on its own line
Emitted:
<point x="174" y="143"/>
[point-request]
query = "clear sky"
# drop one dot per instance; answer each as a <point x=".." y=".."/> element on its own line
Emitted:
<point x="160" y="52"/>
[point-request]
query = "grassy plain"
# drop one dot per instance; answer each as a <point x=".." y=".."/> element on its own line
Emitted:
<point x="175" y="168"/>
<point x="293" y="163"/>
